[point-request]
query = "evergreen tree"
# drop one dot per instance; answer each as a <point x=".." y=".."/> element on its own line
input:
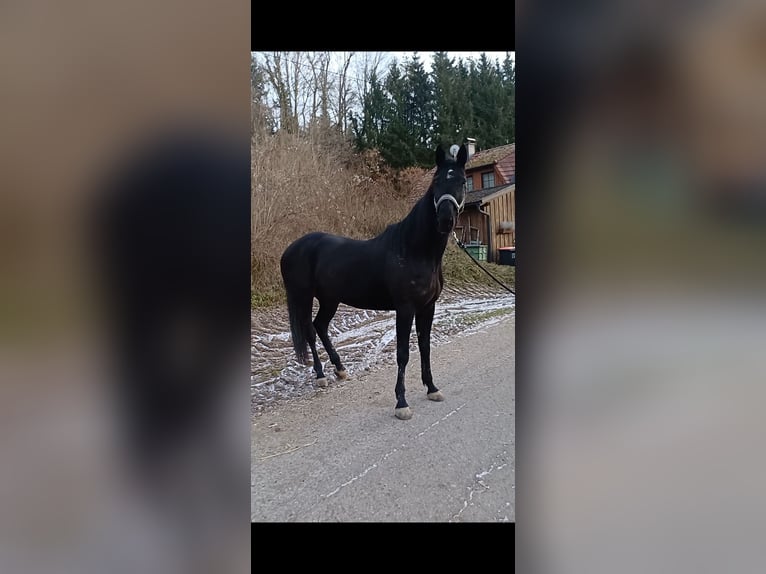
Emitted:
<point x="487" y="103"/>
<point x="406" y="115"/>
<point x="509" y="91"/>
<point x="419" y="110"/>
<point x="370" y="126"/>
<point x="397" y="146"/>
<point x="462" y="101"/>
<point x="446" y="126"/>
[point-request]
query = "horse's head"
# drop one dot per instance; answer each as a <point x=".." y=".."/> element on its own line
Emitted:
<point x="449" y="188"/>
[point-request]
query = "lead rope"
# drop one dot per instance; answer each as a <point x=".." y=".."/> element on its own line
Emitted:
<point x="460" y="244"/>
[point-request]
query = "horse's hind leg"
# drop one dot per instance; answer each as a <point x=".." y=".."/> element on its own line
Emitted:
<point x="312" y="340"/>
<point x="321" y="322"/>
<point x="423" y="321"/>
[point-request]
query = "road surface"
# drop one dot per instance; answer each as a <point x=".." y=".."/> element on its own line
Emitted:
<point x="341" y="455"/>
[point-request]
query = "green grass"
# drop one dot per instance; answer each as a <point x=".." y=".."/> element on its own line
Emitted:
<point x="265" y="299"/>
<point x="472" y="319"/>
<point x="459" y="271"/>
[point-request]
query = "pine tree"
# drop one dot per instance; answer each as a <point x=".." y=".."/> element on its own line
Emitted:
<point x="406" y="115"/>
<point x="396" y="143"/>
<point x="370" y="126"/>
<point x="444" y="76"/>
<point x="463" y="107"/>
<point x="509" y="90"/>
<point x="487" y="103"/>
<point x="420" y="115"/>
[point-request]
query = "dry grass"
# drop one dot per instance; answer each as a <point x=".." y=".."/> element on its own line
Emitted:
<point x="299" y="186"/>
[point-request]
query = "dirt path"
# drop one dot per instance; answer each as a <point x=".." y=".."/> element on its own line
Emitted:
<point x="340" y="455"/>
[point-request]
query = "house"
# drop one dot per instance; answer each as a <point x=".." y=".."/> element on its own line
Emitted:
<point x="488" y="220"/>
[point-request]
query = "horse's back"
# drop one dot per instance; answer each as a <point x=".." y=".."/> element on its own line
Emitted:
<point x="312" y="247"/>
<point x="339" y="268"/>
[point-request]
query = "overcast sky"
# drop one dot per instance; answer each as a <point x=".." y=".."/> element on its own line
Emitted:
<point x="355" y="73"/>
<point x="425" y="57"/>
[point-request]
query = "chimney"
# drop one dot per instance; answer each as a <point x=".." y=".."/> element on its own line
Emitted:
<point x="471" y="145"/>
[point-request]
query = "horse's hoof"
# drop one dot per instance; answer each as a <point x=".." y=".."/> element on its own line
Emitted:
<point x="341" y="374"/>
<point x="404" y="413"/>
<point x="322" y="382"/>
<point x="437" y="396"/>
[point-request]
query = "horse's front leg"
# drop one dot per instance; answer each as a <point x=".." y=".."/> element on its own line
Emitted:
<point x="403" y="328"/>
<point x="423" y="321"/>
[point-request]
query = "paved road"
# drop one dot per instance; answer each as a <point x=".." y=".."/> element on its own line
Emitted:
<point x="353" y="461"/>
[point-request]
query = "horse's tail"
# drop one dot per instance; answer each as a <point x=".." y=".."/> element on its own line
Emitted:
<point x="299" y="302"/>
<point x="300" y="319"/>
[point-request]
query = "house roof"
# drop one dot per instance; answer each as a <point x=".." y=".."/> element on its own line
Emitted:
<point x="504" y="156"/>
<point x="479" y="195"/>
<point x="507" y="165"/>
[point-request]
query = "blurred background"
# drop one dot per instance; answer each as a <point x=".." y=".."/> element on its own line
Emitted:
<point x="640" y="280"/>
<point x="124" y="266"/>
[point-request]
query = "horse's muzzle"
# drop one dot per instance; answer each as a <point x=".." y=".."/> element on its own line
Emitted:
<point x="445" y="226"/>
<point x="446" y="218"/>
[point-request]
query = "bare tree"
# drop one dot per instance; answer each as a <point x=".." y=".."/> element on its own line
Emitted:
<point x="283" y="70"/>
<point x="319" y="86"/>
<point x="343" y="91"/>
<point x="366" y="64"/>
<point x="318" y="89"/>
<point x="325" y="89"/>
<point x="273" y="66"/>
<point x="261" y="118"/>
<point x="314" y="64"/>
<point x="297" y="58"/>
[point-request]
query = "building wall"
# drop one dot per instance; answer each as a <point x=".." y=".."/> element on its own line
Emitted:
<point x="476" y="219"/>
<point x="502" y="208"/>
<point x="475" y="175"/>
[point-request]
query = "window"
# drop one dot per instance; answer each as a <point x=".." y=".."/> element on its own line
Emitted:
<point x="469" y="183"/>
<point x="487" y="180"/>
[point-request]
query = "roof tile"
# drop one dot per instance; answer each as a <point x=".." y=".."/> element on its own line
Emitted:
<point x="492" y="155"/>
<point x="504" y="155"/>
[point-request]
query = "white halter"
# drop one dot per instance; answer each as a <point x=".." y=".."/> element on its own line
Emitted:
<point x="451" y="198"/>
<point x="459" y="206"/>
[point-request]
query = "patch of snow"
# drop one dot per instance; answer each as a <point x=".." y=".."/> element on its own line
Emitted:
<point x="364" y="339"/>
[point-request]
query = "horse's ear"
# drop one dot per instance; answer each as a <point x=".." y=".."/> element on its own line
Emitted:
<point x="462" y="155"/>
<point x="439" y="156"/>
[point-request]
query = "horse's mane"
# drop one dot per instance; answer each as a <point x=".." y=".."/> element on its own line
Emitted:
<point x="420" y="221"/>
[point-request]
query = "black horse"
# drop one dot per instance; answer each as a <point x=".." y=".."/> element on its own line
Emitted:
<point x="400" y="269"/>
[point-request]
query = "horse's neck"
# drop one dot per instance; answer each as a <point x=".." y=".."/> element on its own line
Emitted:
<point x="419" y="231"/>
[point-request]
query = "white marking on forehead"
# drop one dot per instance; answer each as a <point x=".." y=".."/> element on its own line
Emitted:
<point x="449" y="174"/>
